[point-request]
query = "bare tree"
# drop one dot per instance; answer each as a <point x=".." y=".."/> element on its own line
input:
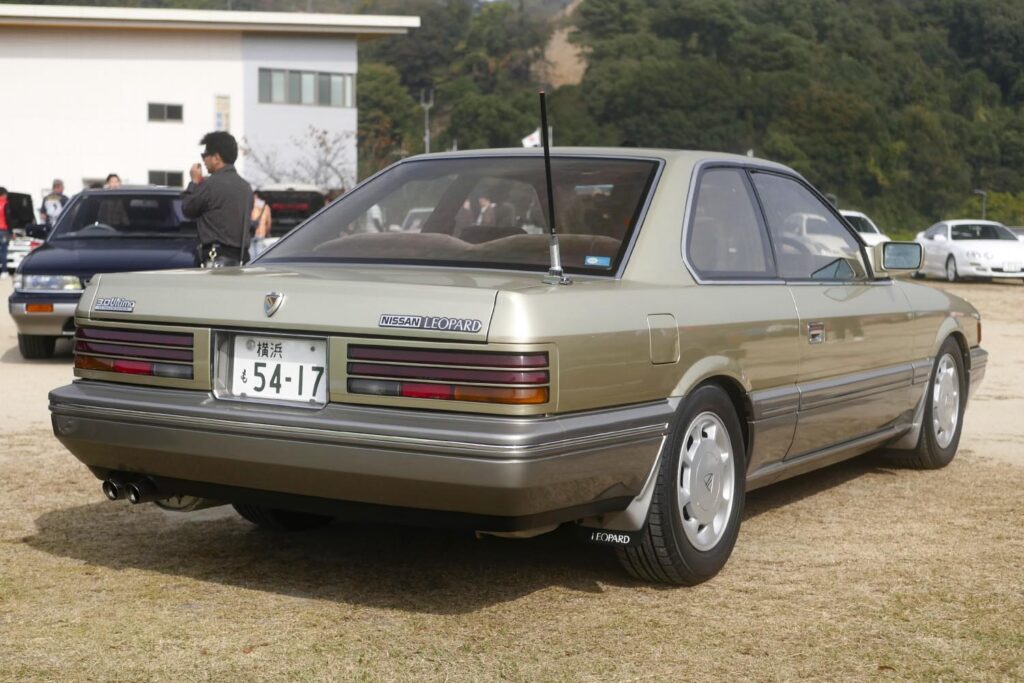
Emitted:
<point x="319" y="157"/>
<point x="265" y="161"/>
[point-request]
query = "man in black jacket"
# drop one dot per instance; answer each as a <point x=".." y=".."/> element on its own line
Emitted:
<point x="220" y="203"/>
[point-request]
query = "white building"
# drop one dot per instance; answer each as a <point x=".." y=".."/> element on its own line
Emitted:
<point x="87" y="91"/>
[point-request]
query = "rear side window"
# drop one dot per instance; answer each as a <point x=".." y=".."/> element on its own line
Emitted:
<point x="810" y="242"/>
<point x="726" y="239"/>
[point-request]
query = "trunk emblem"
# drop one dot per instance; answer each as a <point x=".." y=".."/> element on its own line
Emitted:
<point x="271" y="302"/>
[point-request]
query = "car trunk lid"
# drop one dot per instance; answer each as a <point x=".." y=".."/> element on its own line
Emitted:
<point x="382" y="302"/>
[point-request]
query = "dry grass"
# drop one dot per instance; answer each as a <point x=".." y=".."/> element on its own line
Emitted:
<point x="855" y="572"/>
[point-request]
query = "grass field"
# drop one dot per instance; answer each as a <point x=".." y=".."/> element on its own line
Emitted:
<point x="856" y="572"/>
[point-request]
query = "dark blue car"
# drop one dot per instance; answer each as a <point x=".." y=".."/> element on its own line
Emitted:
<point x="100" y="231"/>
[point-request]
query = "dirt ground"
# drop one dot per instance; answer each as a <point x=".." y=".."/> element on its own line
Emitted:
<point x="860" y="571"/>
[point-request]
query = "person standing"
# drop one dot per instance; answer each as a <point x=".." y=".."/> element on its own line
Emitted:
<point x="53" y="203"/>
<point x="112" y="182"/>
<point x="5" y="231"/>
<point x="260" y="221"/>
<point x="221" y="203"/>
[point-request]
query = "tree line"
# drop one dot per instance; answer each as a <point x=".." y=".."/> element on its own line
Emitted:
<point x="900" y="108"/>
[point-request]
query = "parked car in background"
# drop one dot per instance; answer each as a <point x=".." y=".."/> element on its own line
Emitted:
<point x="99" y="231"/>
<point x="865" y="227"/>
<point x="18" y="248"/>
<point x="290" y="204"/>
<point x="449" y="376"/>
<point x="20" y="215"/>
<point x="970" y="248"/>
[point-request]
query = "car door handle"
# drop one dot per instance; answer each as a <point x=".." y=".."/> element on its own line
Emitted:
<point x="815" y="333"/>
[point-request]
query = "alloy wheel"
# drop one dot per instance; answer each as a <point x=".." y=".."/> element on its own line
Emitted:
<point x="706" y="481"/>
<point x="945" y="401"/>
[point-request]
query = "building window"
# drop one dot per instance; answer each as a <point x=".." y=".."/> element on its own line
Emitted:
<point x="166" y="112"/>
<point x="167" y="178"/>
<point x="279" y="86"/>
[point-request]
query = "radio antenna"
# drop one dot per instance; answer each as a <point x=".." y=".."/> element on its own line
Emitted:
<point x="555" y="276"/>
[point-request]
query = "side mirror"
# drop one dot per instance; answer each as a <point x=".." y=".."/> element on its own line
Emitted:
<point x="37" y="230"/>
<point x="895" y="257"/>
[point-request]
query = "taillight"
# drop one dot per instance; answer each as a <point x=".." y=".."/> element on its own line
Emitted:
<point x="128" y="352"/>
<point x="448" y="375"/>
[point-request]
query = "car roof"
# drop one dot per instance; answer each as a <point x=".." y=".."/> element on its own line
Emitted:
<point x="289" y="187"/>
<point x="134" y="190"/>
<point x="685" y="156"/>
<point x="970" y="221"/>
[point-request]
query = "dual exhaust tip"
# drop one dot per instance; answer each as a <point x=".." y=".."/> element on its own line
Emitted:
<point x="142" y="490"/>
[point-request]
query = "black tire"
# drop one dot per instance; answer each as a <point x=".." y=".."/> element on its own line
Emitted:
<point x="665" y="553"/>
<point x="36" y="347"/>
<point x="280" y="520"/>
<point x="930" y="454"/>
<point x="917" y="275"/>
<point x="954" y="275"/>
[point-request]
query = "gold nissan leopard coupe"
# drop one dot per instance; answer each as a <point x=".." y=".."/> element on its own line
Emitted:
<point x="698" y="344"/>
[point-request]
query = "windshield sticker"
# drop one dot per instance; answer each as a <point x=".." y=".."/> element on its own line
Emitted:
<point x="598" y="261"/>
<point x="114" y="303"/>
<point x="428" y="322"/>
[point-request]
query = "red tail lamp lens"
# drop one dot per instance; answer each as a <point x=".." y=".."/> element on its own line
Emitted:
<point x="494" y="359"/>
<point x="411" y="390"/>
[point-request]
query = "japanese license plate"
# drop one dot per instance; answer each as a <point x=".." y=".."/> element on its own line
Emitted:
<point x="279" y="369"/>
<point x="1011" y="267"/>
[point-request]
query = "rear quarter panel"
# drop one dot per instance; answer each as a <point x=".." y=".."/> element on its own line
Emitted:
<point x="938" y="314"/>
<point x="601" y="330"/>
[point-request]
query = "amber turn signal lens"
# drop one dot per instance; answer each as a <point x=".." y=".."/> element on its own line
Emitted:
<point x="93" y="363"/>
<point x="39" y="308"/>
<point x="507" y="395"/>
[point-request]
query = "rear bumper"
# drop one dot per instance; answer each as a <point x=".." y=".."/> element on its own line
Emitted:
<point x="514" y="472"/>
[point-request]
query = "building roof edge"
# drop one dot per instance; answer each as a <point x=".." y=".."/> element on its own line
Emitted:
<point x="203" y="20"/>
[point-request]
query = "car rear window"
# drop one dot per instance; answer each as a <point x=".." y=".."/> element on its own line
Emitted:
<point x="481" y="212"/>
<point x="861" y="224"/>
<point x="103" y="215"/>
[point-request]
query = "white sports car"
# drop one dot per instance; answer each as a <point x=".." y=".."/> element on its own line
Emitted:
<point x="865" y="227"/>
<point x="971" y="248"/>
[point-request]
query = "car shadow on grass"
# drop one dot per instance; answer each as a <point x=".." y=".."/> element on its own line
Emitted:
<point x="804" y="486"/>
<point x="434" y="571"/>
